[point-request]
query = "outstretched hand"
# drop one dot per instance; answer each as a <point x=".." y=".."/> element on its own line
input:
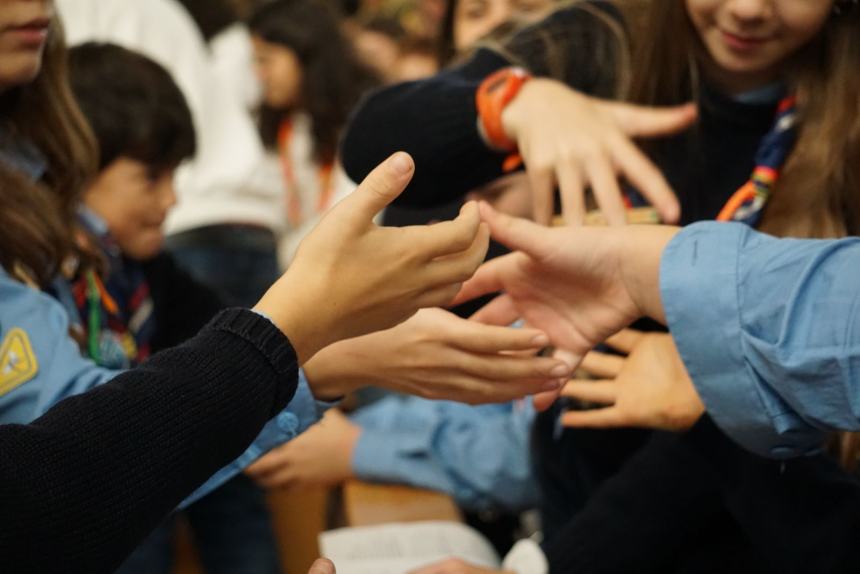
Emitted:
<point x="648" y="388"/>
<point x="577" y="285"/>
<point x="350" y="277"/>
<point x="575" y="142"/>
<point x="437" y="355"/>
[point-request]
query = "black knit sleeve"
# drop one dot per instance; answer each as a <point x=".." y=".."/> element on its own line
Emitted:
<point x="84" y="484"/>
<point x="435" y="119"/>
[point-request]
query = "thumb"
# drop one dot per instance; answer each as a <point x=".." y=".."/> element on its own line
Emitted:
<point x="379" y="188"/>
<point x="651" y="122"/>
<point x="322" y="566"/>
<point x="515" y="233"/>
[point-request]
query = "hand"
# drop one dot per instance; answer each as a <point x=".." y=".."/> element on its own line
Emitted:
<point x="320" y="456"/>
<point x="350" y="277"/>
<point x="456" y="566"/>
<point x="575" y="141"/>
<point x="579" y="285"/>
<point x="437" y="355"/>
<point x="649" y="388"/>
<point x="322" y="566"/>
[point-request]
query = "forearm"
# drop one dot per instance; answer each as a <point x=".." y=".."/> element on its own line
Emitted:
<point x="87" y="481"/>
<point x="768" y="331"/>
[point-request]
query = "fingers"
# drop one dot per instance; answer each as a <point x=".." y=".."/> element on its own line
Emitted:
<point x="603" y="392"/>
<point x="447" y="237"/>
<point x="379" y="188"/>
<point x="268" y="463"/>
<point x="488" y="279"/>
<point x="481" y="338"/>
<point x="607" y="193"/>
<point x="609" y="417"/>
<point x="647" y="179"/>
<point x="640" y="121"/>
<point x="511" y="368"/>
<point x="322" y="566"/>
<point x="517" y="234"/>
<point x="499" y="311"/>
<point x="572" y="192"/>
<point x="543" y="401"/>
<point x="625" y="340"/>
<point x="602" y="365"/>
<point x="458" y="268"/>
<point x="543" y="194"/>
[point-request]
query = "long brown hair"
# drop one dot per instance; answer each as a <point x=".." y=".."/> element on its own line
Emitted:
<point x="37" y="219"/>
<point x="818" y="194"/>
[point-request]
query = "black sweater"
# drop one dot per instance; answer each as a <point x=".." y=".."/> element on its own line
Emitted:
<point x="84" y="484"/>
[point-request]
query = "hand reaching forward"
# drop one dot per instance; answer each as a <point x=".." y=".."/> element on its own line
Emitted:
<point x="350" y="277"/>
<point x="578" y="285"/>
<point x="648" y="388"/>
<point x="575" y="141"/>
<point x="437" y="355"/>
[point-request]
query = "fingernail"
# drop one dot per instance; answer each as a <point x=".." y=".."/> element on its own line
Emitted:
<point x="401" y="163"/>
<point x="540" y="341"/>
<point x="559" y="371"/>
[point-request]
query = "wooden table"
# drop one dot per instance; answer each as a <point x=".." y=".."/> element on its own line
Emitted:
<point x="366" y="504"/>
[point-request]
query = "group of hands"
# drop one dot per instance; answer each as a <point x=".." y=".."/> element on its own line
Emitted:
<point x="365" y="305"/>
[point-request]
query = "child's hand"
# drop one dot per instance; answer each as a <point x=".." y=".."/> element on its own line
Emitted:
<point x="350" y="277"/>
<point x="571" y="140"/>
<point x="648" y="388"/>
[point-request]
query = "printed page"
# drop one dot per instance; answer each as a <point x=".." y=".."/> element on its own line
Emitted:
<point x="402" y="547"/>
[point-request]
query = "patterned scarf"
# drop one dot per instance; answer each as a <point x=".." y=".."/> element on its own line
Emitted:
<point x="116" y="312"/>
<point x="747" y="204"/>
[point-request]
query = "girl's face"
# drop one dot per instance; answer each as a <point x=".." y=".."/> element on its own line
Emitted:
<point x="749" y="41"/>
<point x="280" y="73"/>
<point x="24" y="27"/>
<point x="474" y="19"/>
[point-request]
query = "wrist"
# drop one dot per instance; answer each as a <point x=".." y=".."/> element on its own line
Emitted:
<point x="327" y="377"/>
<point x="640" y="267"/>
<point x="494" y="96"/>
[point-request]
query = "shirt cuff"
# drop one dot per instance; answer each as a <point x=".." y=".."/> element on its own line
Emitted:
<point x="699" y="288"/>
<point x="526" y="557"/>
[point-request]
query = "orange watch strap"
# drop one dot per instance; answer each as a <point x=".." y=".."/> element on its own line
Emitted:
<point x="494" y="93"/>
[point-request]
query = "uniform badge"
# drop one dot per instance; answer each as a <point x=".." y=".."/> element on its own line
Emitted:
<point x="18" y="363"/>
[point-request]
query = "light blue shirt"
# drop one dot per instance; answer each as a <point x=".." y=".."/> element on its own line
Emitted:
<point x="479" y="455"/>
<point x="769" y="330"/>
<point x="41" y="365"/>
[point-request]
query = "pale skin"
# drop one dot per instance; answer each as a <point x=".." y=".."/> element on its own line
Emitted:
<point x="573" y="141"/>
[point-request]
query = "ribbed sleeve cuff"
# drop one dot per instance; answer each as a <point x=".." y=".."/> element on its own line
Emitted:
<point x="267" y="339"/>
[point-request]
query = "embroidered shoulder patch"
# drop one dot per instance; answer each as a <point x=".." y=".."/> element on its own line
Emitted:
<point x="18" y="364"/>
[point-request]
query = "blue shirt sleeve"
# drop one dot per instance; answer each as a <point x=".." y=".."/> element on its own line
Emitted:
<point x="769" y="330"/>
<point x="302" y="412"/>
<point x="479" y="455"/>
